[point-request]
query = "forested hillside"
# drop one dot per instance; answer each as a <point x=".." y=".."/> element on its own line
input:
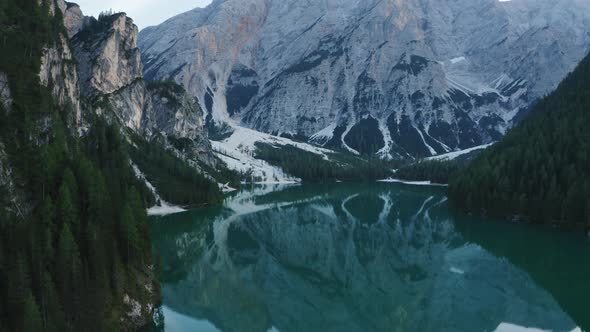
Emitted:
<point x="75" y="253"/>
<point x="175" y="180"/>
<point x="310" y="167"/>
<point x="541" y="170"/>
<point x="433" y="170"/>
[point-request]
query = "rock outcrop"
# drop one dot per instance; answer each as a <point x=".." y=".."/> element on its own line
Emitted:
<point x="10" y="198"/>
<point x="178" y="117"/>
<point x="5" y="95"/>
<point x="401" y="78"/>
<point x="59" y="71"/>
<point x="111" y="78"/>
<point x="108" y="57"/>
<point x="74" y="19"/>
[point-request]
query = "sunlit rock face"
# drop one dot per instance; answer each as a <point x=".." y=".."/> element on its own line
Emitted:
<point x="379" y="259"/>
<point x="111" y="79"/>
<point x="109" y="58"/>
<point x="110" y="66"/>
<point x="417" y="77"/>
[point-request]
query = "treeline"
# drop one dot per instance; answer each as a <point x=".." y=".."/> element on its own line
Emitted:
<point x="311" y="167"/>
<point x="430" y="170"/>
<point x="175" y="180"/>
<point x="541" y="170"/>
<point x="169" y="90"/>
<point x="95" y="26"/>
<point x="77" y="240"/>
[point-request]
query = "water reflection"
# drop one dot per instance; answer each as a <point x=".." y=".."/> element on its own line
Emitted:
<point x="341" y="258"/>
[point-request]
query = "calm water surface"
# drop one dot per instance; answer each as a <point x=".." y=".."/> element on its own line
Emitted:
<point x="382" y="257"/>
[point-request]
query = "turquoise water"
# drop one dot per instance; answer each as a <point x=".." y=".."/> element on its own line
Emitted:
<point x="381" y="257"/>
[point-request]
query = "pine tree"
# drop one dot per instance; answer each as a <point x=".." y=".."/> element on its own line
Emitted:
<point x="69" y="271"/>
<point x="31" y="320"/>
<point x="69" y="181"/>
<point x="50" y="308"/>
<point x="19" y="283"/>
<point x="140" y="215"/>
<point x="129" y="234"/>
<point x="67" y="211"/>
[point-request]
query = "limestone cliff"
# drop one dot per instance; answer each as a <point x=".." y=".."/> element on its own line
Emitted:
<point x="59" y="70"/>
<point x="111" y="78"/>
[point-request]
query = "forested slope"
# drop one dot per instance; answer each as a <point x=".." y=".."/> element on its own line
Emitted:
<point x="541" y="170"/>
<point x="75" y="253"/>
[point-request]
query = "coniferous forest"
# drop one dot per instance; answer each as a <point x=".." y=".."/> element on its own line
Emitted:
<point x="73" y="238"/>
<point x="176" y="181"/>
<point x="541" y="170"/>
<point x="311" y="167"/>
<point x="434" y="171"/>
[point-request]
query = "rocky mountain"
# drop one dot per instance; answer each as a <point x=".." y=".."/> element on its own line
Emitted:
<point x="61" y="75"/>
<point x="111" y="82"/>
<point x="397" y="78"/>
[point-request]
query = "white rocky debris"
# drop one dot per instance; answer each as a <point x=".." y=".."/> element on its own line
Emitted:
<point x="162" y="208"/>
<point x="414" y="183"/>
<point x="456" y="154"/>
<point x="238" y="152"/>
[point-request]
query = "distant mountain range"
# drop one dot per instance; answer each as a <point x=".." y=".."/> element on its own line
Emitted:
<point x="397" y="78"/>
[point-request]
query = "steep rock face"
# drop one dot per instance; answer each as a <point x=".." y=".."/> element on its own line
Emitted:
<point x="74" y="19"/>
<point x="10" y="197"/>
<point x="110" y="66"/>
<point x="402" y="78"/>
<point x="5" y="95"/>
<point x="108" y="55"/>
<point x="180" y="118"/>
<point x="58" y="68"/>
<point x="111" y="77"/>
<point x="58" y="71"/>
<point x="6" y="184"/>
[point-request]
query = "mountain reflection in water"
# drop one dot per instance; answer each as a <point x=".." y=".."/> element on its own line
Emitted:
<point x="382" y="257"/>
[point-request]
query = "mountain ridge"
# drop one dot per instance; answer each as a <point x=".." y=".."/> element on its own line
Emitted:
<point x="423" y="77"/>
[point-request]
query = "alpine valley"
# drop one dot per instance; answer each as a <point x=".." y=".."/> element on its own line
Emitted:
<point x="237" y="111"/>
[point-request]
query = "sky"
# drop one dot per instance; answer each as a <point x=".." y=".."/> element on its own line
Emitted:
<point x="143" y="12"/>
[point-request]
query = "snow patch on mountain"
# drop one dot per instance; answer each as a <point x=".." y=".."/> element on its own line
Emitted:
<point x="385" y="152"/>
<point x="239" y="153"/>
<point x="162" y="208"/>
<point x="457" y="154"/>
<point x="324" y="135"/>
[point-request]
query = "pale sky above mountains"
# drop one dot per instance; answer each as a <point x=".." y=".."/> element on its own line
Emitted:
<point x="144" y="12"/>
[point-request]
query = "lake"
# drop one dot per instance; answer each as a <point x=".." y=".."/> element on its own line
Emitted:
<point x="365" y="257"/>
